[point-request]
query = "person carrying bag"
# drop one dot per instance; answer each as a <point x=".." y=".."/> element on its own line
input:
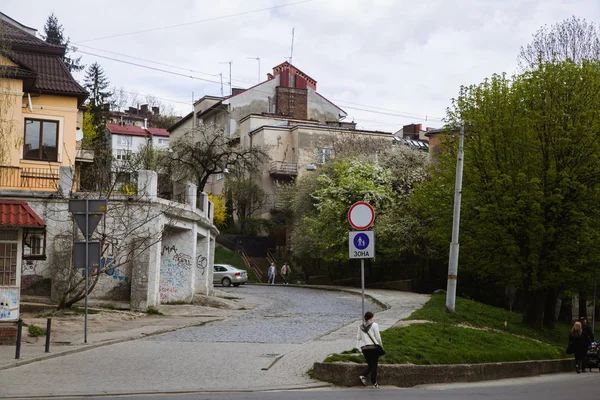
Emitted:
<point x="368" y="341"/>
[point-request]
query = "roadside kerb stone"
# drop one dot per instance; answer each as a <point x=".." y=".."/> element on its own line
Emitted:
<point x="354" y="291"/>
<point x="346" y="374"/>
<point x="81" y="348"/>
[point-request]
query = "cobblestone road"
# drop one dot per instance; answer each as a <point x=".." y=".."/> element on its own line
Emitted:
<point x="284" y="314"/>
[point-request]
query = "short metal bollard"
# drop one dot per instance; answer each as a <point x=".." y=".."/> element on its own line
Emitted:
<point x="19" y="330"/>
<point x="48" y="331"/>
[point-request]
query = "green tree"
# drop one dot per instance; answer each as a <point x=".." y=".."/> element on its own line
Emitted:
<point x="97" y="84"/>
<point x="531" y="179"/>
<point x="54" y="34"/>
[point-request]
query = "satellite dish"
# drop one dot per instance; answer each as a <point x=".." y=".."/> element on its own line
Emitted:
<point x="78" y="135"/>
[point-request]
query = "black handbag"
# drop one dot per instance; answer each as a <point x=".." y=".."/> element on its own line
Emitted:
<point x="380" y="350"/>
<point x="570" y="348"/>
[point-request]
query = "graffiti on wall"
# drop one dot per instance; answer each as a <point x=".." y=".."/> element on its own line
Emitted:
<point x="175" y="272"/>
<point x="9" y="304"/>
<point x="201" y="263"/>
<point x="107" y="265"/>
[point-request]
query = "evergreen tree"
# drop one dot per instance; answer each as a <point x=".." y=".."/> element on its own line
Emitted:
<point x="54" y="35"/>
<point x="97" y="84"/>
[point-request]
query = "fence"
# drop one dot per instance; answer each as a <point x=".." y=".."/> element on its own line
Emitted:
<point x="29" y="178"/>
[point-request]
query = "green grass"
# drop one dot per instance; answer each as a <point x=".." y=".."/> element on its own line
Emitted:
<point x="442" y="341"/>
<point x="226" y="256"/>
<point x="430" y="343"/>
<point x="36" y="331"/>
<point x="480" y="315"/>
<point x="153" y="311"/>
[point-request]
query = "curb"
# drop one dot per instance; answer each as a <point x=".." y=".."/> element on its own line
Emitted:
<point x="409" y="375"/>
<point x="102" y="344"/>
<point x="175" y="392"/>
<point x="343" y="289"/>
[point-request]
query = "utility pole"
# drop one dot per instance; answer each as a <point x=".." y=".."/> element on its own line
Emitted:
<point x="221" y="75"/>
<point x="257" y="59"/>
<point x="229" y="62"/>
<point x="453" y="262"/>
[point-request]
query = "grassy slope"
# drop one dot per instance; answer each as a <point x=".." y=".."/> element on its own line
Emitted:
<point x="442" y="342"/>
<point x="226" y="256"/>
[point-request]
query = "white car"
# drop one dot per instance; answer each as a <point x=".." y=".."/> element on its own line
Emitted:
<point x="229" y="275"/>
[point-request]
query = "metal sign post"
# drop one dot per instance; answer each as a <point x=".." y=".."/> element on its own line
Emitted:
<point x="361" y="244"/>
<point x="87" y="214"/>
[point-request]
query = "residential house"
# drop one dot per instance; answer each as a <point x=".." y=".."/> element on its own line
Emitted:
<point x="414" y="136"/>
<point x="40" y="113"/>
<point x="133" y="116"/>
<point x="286" y="115"/>
<point x="127" y="140"/>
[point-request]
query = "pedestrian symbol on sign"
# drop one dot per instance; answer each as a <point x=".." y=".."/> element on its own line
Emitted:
<point x="361" y="241"/>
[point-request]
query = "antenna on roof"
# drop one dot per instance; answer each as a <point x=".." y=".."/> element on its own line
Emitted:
<point x="221" y="74"/>
<point x="257" y="59"/>
<point x="292" y="49"/>
<point x="229" y="83"/>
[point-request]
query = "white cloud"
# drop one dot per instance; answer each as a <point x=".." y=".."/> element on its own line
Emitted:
<point x="408" y="56"/>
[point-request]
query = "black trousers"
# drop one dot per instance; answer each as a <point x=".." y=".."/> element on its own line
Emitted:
<point x="372" y="361"/>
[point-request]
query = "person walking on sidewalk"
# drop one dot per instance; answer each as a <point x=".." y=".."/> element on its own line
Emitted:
<point x="286" y="273"/>
<point x="578" y="343"/>
<point x="271" y="273"/>
<point x="368" y="341"/>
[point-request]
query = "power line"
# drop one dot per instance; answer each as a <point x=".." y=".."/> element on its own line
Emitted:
<point x="196" y="22"/>
<point x="373" y="110"/>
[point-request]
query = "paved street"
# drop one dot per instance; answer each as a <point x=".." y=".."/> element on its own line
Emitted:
<point x="547" y="387"/>
<point x="271" y="346"/>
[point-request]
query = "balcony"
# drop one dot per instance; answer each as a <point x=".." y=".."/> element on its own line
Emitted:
<point x="282" y="169"/>
<point x="29" y="178"/>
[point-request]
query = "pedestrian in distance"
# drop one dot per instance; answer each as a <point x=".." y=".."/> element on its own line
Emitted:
<point x="586" y="331"/>
<point x="368" y="341"/>
<point x="271" y="273"/>
<point x="578" y="343"/>
<point x="286" y="272"/>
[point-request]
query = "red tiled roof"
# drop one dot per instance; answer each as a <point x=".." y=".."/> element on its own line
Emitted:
<point x="17" y="214"/>
<point x="126" y="130"/>
<point x="133" y="130"/>
<point x="158" y="132"/>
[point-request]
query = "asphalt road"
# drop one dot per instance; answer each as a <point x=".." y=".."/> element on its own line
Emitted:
<point x="547" y="387"/>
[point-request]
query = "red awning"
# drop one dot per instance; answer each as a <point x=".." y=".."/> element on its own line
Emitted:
<point x="17" y="214"/>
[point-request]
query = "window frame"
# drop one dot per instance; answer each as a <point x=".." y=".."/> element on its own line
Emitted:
<point x="34" y="231"/>
<point x="324" y="154"/>
<point x="41" y="138"/>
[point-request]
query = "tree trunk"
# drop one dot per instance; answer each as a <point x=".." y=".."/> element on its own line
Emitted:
<point x="582" y="305"/>
<point x="534" y="307"/>
<point x="566" y="310"/>
<point x="550" y="308"/>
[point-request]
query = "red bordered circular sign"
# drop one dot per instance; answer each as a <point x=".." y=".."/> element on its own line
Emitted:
<point x="361" y="215"/>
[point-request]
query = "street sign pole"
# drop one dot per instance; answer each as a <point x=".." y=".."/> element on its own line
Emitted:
<point x="87" y="268"/>
<point x="362" y="280"/>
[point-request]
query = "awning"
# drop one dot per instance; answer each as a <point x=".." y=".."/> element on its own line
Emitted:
<point x="17" y="214"/>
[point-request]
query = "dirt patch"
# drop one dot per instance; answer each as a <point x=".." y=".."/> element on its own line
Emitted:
<point x="404" y="323"/>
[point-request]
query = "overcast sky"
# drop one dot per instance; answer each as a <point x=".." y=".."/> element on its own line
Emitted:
<point x="404" y="60"/>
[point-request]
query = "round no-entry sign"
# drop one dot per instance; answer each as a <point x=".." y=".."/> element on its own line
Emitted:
<point x="361" y="215"/>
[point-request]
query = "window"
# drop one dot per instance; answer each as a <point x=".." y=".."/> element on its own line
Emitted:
<point x="124" y="140"/>
<point x="8" y="257"/>
<point x="41" y="140"/>
<point x="163" y="141"/>
<point x="323" y="155"/>
<point x="123" y="154"/>
<point x="34" y="244"/>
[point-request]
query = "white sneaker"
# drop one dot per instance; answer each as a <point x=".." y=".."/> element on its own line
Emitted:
<point x="376" y="385"/>
<point x="363" y="380"/>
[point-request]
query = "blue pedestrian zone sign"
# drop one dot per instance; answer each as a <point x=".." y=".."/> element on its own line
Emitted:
<point x="361" y="244"/>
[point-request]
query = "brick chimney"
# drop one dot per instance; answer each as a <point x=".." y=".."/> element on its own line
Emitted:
<point x="144" y="109"/>
<point x="155" y="110"/>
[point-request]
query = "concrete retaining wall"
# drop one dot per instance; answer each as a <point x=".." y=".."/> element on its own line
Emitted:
<point x="346" y="374"/>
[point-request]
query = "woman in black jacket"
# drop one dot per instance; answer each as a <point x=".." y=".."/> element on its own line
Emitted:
<point x="579" y="342"/>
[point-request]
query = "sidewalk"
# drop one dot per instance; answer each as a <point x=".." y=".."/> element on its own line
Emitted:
<point x="256" y="366"/>
<point x="106" y="327"/>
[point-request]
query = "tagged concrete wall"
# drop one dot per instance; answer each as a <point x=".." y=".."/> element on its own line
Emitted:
<point x="150" y="253"/>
